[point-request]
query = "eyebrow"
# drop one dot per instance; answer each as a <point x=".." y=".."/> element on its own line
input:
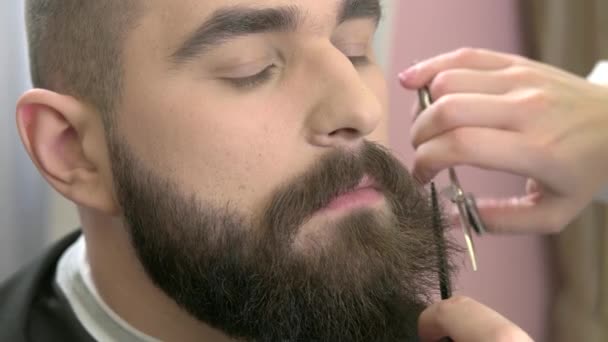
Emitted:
<point x="353" y="9"/>
<point x="237" y="21"/>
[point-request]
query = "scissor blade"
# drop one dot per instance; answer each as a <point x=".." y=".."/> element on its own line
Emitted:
<point x="471" y="249"/>
<point x="466" y="229"/>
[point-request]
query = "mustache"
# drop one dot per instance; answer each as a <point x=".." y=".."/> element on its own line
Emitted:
<point x="337" y="173"/>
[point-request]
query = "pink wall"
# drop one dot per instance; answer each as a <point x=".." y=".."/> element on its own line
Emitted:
<point x="514" y="275"/>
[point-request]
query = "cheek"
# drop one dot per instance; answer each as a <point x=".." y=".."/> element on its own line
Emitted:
<point x="223" y="148"/>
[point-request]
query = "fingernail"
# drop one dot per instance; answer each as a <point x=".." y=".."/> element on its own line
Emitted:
<point x="407" y="75"/>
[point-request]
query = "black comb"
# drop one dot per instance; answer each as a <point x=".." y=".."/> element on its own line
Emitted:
<point x="445" y="286"/>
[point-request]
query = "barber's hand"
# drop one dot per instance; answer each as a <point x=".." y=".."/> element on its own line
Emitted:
<point x="504" y="112"/>
<point x="464" y="320"/>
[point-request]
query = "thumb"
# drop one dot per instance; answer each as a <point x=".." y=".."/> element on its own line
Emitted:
<point x="464" y="319"/>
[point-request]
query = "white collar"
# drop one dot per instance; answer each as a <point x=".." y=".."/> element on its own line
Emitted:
<point x="74" y="278"/>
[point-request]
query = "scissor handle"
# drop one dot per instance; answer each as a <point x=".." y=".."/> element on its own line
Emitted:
<point x="424" y="97"/>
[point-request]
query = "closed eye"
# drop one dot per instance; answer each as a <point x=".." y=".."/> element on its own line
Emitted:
<point x="253" y="80"/>
<point x="359" y="60"/>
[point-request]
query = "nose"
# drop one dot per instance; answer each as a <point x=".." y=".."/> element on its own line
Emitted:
<point x="347" y="110"/>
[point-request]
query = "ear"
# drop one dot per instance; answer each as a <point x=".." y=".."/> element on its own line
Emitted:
<point x="65" y="139"/>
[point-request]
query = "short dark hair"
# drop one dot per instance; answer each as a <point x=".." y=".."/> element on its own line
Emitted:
<point x="76" y="47"/>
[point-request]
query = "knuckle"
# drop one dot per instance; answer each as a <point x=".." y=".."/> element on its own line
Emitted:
<point x="534" y="101"/>
<point x="446" y="104"/>
<point x="440" y="85"/>
<point x="465" y="54"/>
<point x="440" y="120"/>
<point x="519" y="73"/>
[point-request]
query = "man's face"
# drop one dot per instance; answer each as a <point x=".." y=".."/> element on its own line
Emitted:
<point x="235" y="119"/>
<point x="245" y="129"/>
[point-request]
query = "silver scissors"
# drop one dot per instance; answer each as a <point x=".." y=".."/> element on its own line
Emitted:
<point x="470" y="220"/>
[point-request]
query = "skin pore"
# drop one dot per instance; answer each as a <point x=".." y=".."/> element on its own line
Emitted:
<point x="215" y="123"/>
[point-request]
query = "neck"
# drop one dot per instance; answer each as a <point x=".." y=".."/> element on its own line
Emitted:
<point x="126" y="289"/>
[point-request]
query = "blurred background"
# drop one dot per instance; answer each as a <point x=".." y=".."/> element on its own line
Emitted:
<point x="553" y="287"/>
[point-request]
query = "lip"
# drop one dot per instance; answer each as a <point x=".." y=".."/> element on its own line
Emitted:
<point x="365" y="194"/>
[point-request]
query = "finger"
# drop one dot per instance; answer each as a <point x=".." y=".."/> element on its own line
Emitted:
<point x="464" y="110"/>
<point x="422" y="73"/>
<point x="488" y="149"/>
<point x="456" y="81"/>
<point x="464" y="319"/>
<point x="528" y="214"/>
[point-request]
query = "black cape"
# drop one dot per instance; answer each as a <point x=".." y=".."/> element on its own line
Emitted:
<point x="33" y="308"/>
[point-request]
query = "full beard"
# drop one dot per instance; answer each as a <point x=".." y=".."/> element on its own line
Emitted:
<point x="243" y="276"/>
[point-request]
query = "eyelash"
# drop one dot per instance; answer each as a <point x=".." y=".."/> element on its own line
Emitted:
<point x="359" y="61"/>
<point x="266" y="74"/>
<point x="254" y="80"/>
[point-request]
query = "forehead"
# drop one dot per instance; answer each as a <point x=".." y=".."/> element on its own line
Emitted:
<point x="179" y="18"/>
